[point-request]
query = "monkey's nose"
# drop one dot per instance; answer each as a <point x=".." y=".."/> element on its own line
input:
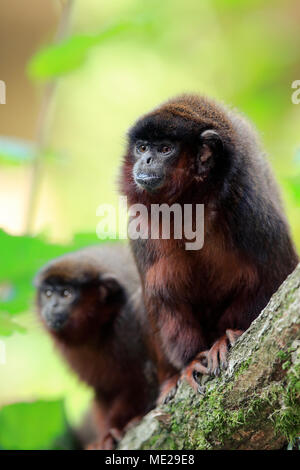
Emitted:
<point x="56" y="321"/>
<point x="149" y="160"/>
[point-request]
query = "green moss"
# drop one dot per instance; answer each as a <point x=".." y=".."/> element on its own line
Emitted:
<point x="286" y="365"/>
<point x="282" y="355"/>
<point x="151" y="444"/>
<point x="170" y="444"/>
<point x="244" y="366"/>
<point x="230" y="426"/>
<point x="220" y="425"/>
<point x="287" y="418"/>
<point x="216" y="423"/>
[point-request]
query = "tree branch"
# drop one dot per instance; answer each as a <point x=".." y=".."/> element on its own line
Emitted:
<point x="255" y="404"/>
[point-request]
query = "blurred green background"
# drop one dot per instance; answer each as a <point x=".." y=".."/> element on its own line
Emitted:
<point x="62" y="134"/>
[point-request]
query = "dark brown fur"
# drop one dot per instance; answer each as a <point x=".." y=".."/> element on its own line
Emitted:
<point x="102" y="340"/>
<point x="193" y="297"/>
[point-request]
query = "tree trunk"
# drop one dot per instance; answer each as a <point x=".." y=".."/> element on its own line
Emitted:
<point x="255" y="404"/>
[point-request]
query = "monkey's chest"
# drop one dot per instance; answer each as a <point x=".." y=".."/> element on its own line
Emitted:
<point x="92" y="366"/>
<point x="205" y="280"/>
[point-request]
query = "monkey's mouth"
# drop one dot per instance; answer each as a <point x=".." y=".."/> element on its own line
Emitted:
<point x="149" y="182"/>
<point x="56" y="322"/>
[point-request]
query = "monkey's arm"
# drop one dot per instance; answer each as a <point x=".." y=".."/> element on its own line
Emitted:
<point x="179" y="336"/>
<point x="180" y="333"/>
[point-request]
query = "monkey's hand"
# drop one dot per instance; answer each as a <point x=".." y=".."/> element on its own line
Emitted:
<point x="211" y="362"/>
<point x="168" y="390"/>
<point x="216" y="357"/>
<point x="197" y="366"/>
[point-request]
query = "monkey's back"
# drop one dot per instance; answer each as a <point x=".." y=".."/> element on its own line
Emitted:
<point x="248" y="201"/>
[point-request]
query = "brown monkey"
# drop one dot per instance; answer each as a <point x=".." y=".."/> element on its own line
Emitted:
<point x="88" y="301"/>
<point x="192" y="150"/>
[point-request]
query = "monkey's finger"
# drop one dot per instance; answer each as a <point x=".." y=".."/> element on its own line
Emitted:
<point x="190" y="380"/>
<point x="233" y="335"/>
<point x="201" y="389"/>
<point x="202" y="354"/>
<point x="213" y="360"/>
<point x="179" y="381"/>
<point x="199" y="367"/>
<point x="223" y="351"/>
<point x="168" y="390"/>
<point x="202" y="357"/>
<point x="170" y="395"/>
<point x="189" y="374"/>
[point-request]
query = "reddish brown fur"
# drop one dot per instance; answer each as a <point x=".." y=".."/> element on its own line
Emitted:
<point x="102" y="341"/>
<point x="193" y="297"/>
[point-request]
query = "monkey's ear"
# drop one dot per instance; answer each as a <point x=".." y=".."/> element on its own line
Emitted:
<point x="211" y="144"/>
<point x="109" y="285"/>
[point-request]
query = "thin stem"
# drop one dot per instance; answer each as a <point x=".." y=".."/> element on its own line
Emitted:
<point x="43" y="125"/>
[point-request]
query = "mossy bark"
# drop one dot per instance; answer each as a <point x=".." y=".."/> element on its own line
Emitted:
<point x="255" y="404"/>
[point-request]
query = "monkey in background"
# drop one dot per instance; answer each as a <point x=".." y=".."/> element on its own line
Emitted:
<point x="192" y="150"/>
<point x="90" y="301"/>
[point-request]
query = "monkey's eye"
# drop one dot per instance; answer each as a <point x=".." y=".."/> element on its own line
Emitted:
<point x="67" y="292"/>
<point x="142" y="148"/>
<point x="48" y="292"/>
<point x="166" y="149"/>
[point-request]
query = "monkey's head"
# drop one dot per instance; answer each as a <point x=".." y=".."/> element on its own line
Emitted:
<point x="181" y="143"/>
<point x="77" y="301"/>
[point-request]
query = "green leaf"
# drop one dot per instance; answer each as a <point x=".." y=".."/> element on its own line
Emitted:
<point x="21" y="258"/>
<point x="29" y="426"/>
<point x="70" y="54"/>
<point x="8" y="326"/>
<point x="293" y="185"/>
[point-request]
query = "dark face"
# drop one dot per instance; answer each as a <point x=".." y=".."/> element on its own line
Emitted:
<point x="56" y="303"/>
<point x="169" y="153"/>
<point x="154" y="159"/>
<point x="77" y="311"/>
